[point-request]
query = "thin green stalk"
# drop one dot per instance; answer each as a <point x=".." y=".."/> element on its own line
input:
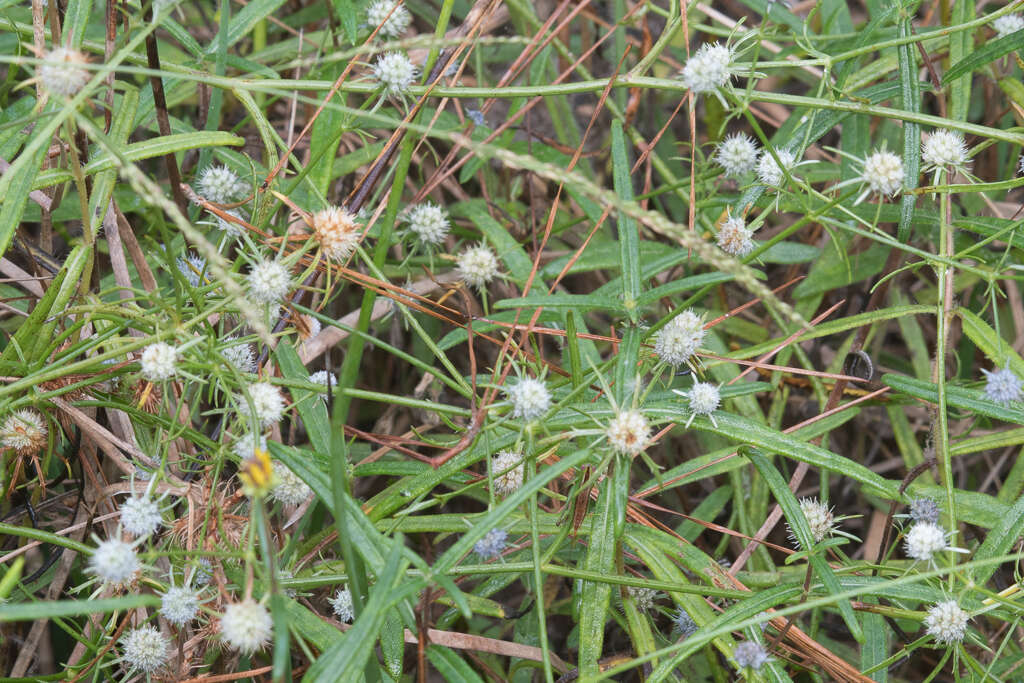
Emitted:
<point x="943" y="311"/>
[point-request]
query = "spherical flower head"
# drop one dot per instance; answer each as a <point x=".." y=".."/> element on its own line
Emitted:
<point x="395" y="72"/>
<point x="337" y="231"/>
<point x="530" y="398"/>
<point x="63" y="71"/>
<point x="769" y="172"/>
<point x="683" y="624"/>
<point x="924" y="510"/>
<point x="145" y="649"/>
<point x="24" y="431"/>
<point x="246" y="626"/>
<point x="323" y="377"/>
<point x="241" y="357"/>
<point x="750" y="654"/>
<point x="192" y="267"/>
<point x="1008" y="24"/>
<point x="492" y="544"/>
<point x="288" y="487"/>
<point x="680" y="338"/>
<point x="220" y="185"/>
<point x="508" y="471"/>
<point x="429" y="222"/>
<point x="267" y="404"/>
<point x="737" y="155"/>
<point x="377" y="14"/>
<point x="477" y="266"/>
<point x="1002" y="386"/>
<point x="269" y="282"/>
<point x="943" y="149"/>
<point x="643" y="597"/>
<point x="883" y="173"/>
<point x="477" y="117"/>
<point x="203" y="572"/>
<point x="708" y="69"/>
<point x="246" y="445"/>
<point x="946" y="622"/>
<point x="140" y="516"/>
<point x="734" y="237"/>
<point x="924" y="540"/>
<point x="158" y="361"/>
<point x="114" y="561"/>
<point x="179" y="605"/>
<point x="628" y="432"/>
<point x="819" y="518"/>
<point x="341" y="603"/>
<point x="704" y="398"/>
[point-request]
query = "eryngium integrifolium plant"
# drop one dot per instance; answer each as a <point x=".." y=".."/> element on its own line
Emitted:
<point x="404" y="341"/>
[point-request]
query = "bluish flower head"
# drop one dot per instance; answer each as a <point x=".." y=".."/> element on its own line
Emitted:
<point x="1002" y="386"/>
<point x="492" y="544"/>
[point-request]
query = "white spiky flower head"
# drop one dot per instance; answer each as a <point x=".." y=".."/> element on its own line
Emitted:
<point x="944" y="150"/>
<point x="1007" y="24"/>
<point x="628" y="432"/>
<point x="734" y="238"/>
<point x="24" y="431"/>
<point x="158" y="362"/>
<point x="883" y="173"/>
<point x="179" y="605"/>
<point x="530" y="398"/>
<point x="509" y="470"/>
<point x="492" y="544"/>
<point x="750" y="654"/>
<point x="145" y="649"/>
<point x="395" y="72"/>
<point x="289" y="487"/>
<point x="114" y="561"/>
<point x="63" y="71"/>
<point x="341" y="603"/>
<point x="1003" y="386"/>
<point x="925" y="540"/>
<point x="391" y="24"/>
<point x="220" y="185"/>
<point x="819" y="518"/>
<point x="946" y="622"/>
<point x="192" y="267"/>
<point x="644" y="597"/>
<point x="241" y="357"/>
<point x="708" y="69"/>
<point x="679" y="339"/>
<point x="704" y="399"/>
<point x="245" y="446"/>
<point x="476" y="266"/>
<point x="267" y="404"/>
<point x="269" y="282"/>
<point x="140" y="515"/>
<point x="337" y="230"/>
<point x="769" y="171"/>
<point x="429" y="222"/>
<point x="737" y="155"/>
<point x="246" y="626"/>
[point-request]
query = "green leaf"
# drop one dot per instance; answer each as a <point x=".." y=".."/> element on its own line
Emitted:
<point x="243" y="22"/>
<point x="629" y="236"/>
<point x="310" y="405"/>
<point x="967" y="60"/>
<point x="996" y="349"/>
<point x="509" y="251"/>
<point x="957" y="397"/>
<point x="575" y="302"/>
<point x="30" y="611"/>
<point x="451" y="666"/>
<point x="999" y="541"/>
<point x="961" y="49"/>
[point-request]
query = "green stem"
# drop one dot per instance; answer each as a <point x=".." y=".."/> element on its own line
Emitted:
<point x="943" y="310"/>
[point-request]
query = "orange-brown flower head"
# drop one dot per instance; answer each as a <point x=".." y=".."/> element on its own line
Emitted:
<point x="338" y="231"/>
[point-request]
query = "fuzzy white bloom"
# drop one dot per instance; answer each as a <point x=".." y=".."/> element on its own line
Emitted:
<point x="114" y="561"/>
<point x="737" y="155"/>
<point x="819" y="519"/>
<point x="241" y="357"/>
<point x="768" y="170"/>
<point x="530" y="398"/>
<point x="734" y="237"/>
<point x="158" y="361"/>
<point x="704" y="399"/>
<point x="925" y="540"/>
<point x="341" y="603"/>
<point x="247" y="444"/>
<point x="492" y="544"/>
<point x="644" y="597"/>
<point x="628" y="432"/>
<point x="750" y="653"/>
<point x="220" y="185"/>
<point x="192" y="267"/>
<point x="883" y="173"/>
<point x="269" y="282"/>
<point x="246" y="626"/>
<point x="24" y="431"/>
<point x="946" y="622"/>
<point x="429" y="222"/>
<point x="477" y="266"/>
<point x="140" y="515"/>
<point x="393" y="25"/>
<point x="145" y="649"/>
<point x="508" y="470"/>
<point x="288" y="487"/>
<point x="680" y="338"/>
<point x="328" y="379"/>
<point x="267" y="404"/>
<point x="395" y="72"/>
<point x="1002" y="386"/>
<point x="1008" y="24"/>
<point x="944" y="148"/>
<point x="337" y="231"/>
<point x="62" y="71"/>
<point x="708" y="69"/>
<point x="179" y="605"/>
